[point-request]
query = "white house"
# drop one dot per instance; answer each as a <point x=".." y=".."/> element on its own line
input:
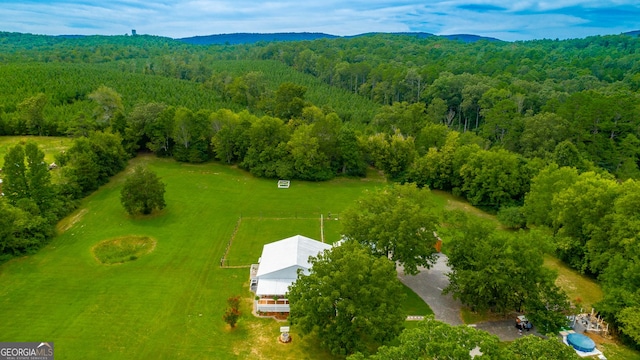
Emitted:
<point x="277" y="269"/>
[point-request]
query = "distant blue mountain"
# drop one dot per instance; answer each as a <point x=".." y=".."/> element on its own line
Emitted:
<point x="419" y="35"/>
<point x="423" y="35"/>
<point x="251" y="38"/>
<point x="632" y="33"/>
<point x="467" y="38"/>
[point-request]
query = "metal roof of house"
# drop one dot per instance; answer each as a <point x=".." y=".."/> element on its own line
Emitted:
<point x="281" y="260"/>
<point x="284" y="254"/>
<point x="274" y="286"/>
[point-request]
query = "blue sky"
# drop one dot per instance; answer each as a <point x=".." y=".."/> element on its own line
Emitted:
<point x="506" y="20"/>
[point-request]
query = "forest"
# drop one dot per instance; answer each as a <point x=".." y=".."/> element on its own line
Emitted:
<point x="544" y="133"/>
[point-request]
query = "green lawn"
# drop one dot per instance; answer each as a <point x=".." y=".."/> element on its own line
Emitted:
<point x="168" y="303"/>
<point x="414" y="305"/>
<point x="254" y="232"/>
<point x="580" y="289"/>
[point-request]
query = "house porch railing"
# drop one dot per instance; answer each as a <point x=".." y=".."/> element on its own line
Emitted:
<point x="271" y="305"/>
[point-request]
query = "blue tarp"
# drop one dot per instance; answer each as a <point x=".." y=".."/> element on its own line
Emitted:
<point x="581" y="342"/>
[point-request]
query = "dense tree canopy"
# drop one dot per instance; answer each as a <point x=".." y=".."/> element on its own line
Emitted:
<point x="397" y="222"/>
<point x="433" y="339"/>
<point x="31" y="204"/>
<point x="350" y="300"/>
<point x="502" y="272"/>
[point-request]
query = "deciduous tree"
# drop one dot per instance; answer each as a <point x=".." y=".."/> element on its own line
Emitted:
<point x="27" y="177"/>
<point x="582" y="217"/>
<point x="494" y="270"/>
<point x="143" y="192"/>
<point x="308" y="162"/>
<point x="434" y="339"/>
<point x="31" y="110"/>
<point x="350" y="300"/>
<point x="397" y="222"/>
<point x="109" y="106"/>
<point x="533" y="348"/>
<point x="495" y="178"/>
<point x="232" y="313"/>
<point x="544" y="186"/>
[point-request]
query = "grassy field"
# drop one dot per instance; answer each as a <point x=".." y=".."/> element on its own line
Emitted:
<point x="253" y="233"/>
<point x="580" y="289"/>
<point x="169" y="302"/>
<point x="414" y="305"/>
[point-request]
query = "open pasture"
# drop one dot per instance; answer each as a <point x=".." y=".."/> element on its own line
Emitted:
<point x="169" y="302"/>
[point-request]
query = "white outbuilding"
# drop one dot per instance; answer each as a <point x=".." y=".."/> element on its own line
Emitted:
<point x="277" y="269"/>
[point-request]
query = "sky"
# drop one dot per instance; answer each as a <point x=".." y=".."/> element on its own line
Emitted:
<point x="506" y="20"/>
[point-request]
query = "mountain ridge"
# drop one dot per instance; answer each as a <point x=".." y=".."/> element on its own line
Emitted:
<point x="251" y="38"/>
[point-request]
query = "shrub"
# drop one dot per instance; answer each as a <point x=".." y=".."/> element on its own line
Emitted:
<point x="232" y="314"/>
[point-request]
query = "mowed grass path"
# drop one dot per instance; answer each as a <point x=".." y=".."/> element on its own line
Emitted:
<point x="169" y="303"/>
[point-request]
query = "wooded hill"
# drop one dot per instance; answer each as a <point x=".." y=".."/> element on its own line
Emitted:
<point x="252" y="38"/>
<point x="546" y="133"/>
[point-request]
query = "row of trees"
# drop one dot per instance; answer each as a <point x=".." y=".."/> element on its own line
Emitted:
<point x="33" y="202"/>
<point x="595" y="221"/>
<point x="313" y="147"/>
<point x="30" y="206"/>
<point x="602" y="127"/>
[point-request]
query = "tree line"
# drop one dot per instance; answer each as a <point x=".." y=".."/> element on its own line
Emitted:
<point x="36" y="197"/>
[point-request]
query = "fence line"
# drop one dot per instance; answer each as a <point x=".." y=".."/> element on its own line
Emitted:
<point x="223" y="261"/>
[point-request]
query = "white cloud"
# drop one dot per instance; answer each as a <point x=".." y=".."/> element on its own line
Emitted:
<point x="508" y="20"/>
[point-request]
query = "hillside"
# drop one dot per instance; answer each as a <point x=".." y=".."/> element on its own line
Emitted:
<point x="252" y="38"/>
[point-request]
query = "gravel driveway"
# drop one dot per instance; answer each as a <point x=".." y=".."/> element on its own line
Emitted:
<point x="428" y="284"/>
